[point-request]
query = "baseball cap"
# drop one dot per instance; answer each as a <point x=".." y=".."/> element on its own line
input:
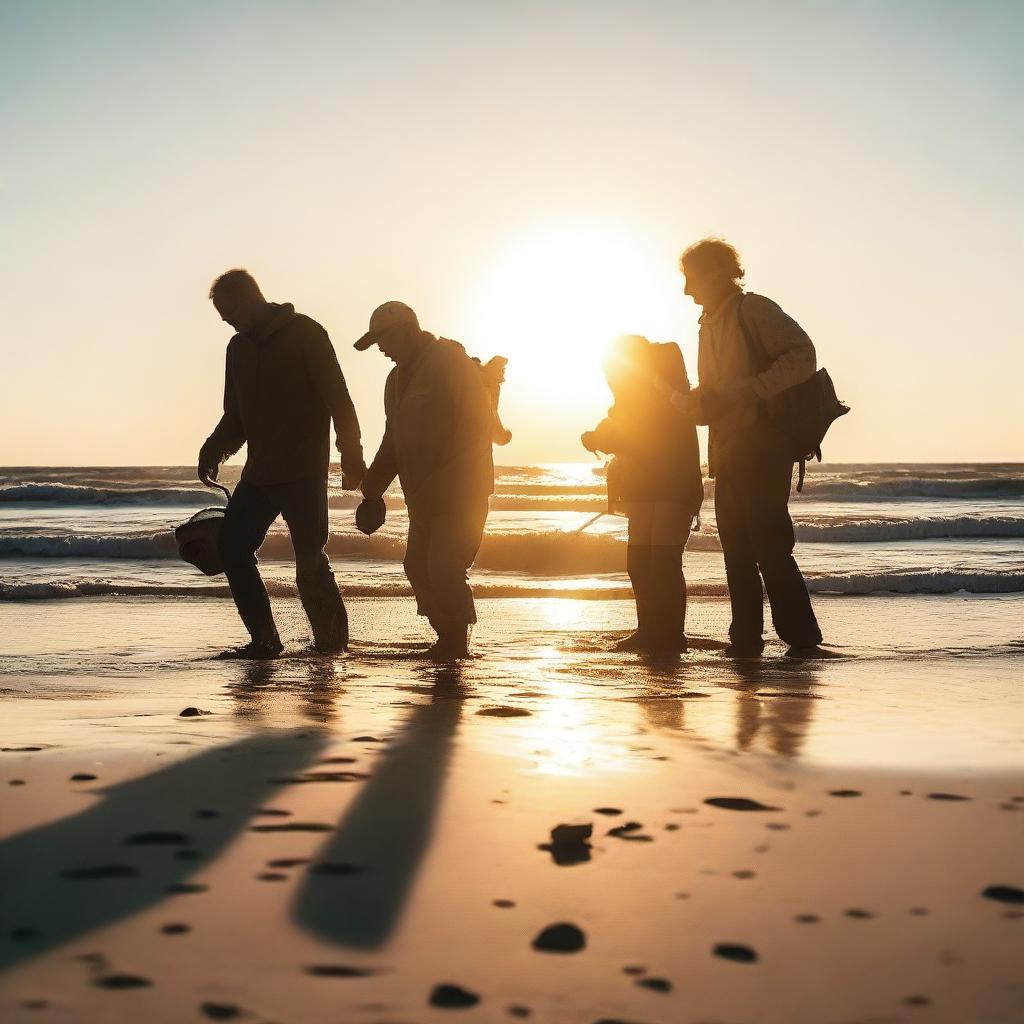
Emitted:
<point x="383" y="318"/>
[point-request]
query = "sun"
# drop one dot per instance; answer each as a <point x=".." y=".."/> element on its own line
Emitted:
<point x="552" y="301"/>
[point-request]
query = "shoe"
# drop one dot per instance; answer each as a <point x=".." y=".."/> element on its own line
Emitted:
<point x="814" y="653"/>
<point x="264" y="650"/>
<point x="327" y="648"/>
<point x="743" y="650"/>
<point x="636" y="641"/>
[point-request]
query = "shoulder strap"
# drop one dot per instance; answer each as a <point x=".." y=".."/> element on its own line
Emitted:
<point x="758" y="356"/>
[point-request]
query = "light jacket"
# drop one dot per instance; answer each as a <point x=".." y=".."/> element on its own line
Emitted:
<point x="282" y="388"/>
<point x="438" y="432"/>
<point x="724" y="365"/>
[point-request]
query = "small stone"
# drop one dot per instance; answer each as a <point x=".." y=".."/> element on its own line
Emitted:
<point x="453" y="997"/>
<point x="918" y="1001"/>
<point x="83" y="777"/>
<point x="175" y="928"/>
<point x="193" y="712"/>
<point x="220" y="1011"/>
<point x="738" y="803"/>
<point x="858" y="913"/>
<point x="655" y="984"/>
<point x="1004" y="893"/>
<point x="733" y="951"/>
<point x="845" y="792"/>
<point x="807" y="918"/>
<point x="947" y="796"/>
<point x="122" y="981"/>
<point x="571" y="835"/>
<point x="610" y="811"/>
<point x="560" y="938"/>
<point x="504" y="904"/>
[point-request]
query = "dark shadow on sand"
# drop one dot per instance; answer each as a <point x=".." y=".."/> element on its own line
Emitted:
<point x="131" y="849"/>
<point x="382" y="838"/>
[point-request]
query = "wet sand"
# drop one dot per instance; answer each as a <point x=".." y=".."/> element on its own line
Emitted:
<point x="369" y="839"/>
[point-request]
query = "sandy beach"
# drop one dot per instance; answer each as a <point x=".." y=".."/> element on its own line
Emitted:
<point x="369" y="839"/>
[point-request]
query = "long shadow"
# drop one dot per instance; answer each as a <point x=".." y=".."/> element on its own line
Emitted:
<point x="139" y="845"/>
<point x="371" y="862"/>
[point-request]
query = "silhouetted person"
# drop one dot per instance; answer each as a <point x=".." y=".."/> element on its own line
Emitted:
<point x="440" y="424"/>
<point x="654" y="479"/>
<point x="747" y="454"/>
<point x="282" y="388"/>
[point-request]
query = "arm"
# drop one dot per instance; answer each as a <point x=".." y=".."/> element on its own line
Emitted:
<point x="330" y="384"/>
<point x="383" y="469"/>
<point x="229" y="434"/>
<point x="602" y="438"/>
<point x="785" y="342"/>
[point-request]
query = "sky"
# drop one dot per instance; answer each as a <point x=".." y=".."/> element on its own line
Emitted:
<point x="523" y="174"/>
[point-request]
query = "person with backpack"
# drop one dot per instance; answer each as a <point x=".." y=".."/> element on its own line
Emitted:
<point x="750" y="354"/>
<point x="440" y="409"/>
<point x="654" y="480"/>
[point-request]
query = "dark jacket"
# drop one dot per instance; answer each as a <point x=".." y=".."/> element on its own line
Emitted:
<point x="439" y="431"/>
<point x="655" y="446"/>
<point x="282" y="388"/>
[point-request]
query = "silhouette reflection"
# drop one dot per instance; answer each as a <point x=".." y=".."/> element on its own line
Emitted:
<point x="388" y="828"/>
<point x="68" y="878"/>
<point x="773" y="706"/>
<point x="316" y="681"/>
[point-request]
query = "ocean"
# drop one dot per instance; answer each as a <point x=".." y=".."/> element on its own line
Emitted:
<point x="863" y="529"/>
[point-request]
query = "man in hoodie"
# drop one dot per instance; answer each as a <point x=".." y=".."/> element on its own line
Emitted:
<point x="747" y="454"/>
<point x="437" y="440"/>
<point x="282" y="388"/>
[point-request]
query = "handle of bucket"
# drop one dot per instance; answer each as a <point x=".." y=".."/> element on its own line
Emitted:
<point x="220" y="487"/>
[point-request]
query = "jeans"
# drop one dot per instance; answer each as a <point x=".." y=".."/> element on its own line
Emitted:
<point x="752" y="488"/>
<point x="250" y="512"/>
<point x="441" y="547"/>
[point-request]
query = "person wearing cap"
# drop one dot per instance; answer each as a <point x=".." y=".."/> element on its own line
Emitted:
<point x="282" y="388"/>
<point x="437" y="441"/>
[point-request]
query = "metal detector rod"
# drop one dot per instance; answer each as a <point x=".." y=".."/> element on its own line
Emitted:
<point x="593" y="519"/>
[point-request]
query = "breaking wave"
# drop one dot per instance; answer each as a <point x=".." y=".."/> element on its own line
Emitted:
<point x="905" y="583"/>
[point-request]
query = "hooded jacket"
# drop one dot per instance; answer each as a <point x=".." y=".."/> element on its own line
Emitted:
<point x="655" y="446"/>
<point x="282" y="388"/>
<point x="438" y="432"/>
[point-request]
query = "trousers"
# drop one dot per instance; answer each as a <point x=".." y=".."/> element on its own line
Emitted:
<point x="752" y="488"/>
<point x="441" y="548"/>
<point x="251" y="510"/>
<point x="658" y="531"/>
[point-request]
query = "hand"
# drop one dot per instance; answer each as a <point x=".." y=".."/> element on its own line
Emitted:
<point x="589" y="441"/>
<point x="688" y="403"/>
<point x="353" y="469"/>
<point x="206" y="472"/>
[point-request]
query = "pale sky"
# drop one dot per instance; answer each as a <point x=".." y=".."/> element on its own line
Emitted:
<point x="525" y="176"/>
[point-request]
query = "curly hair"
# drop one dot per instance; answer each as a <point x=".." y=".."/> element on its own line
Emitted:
<point x="713" y="256"/>
<point x="234" y="281"/>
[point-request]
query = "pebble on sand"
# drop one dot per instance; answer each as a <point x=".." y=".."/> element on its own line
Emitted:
<point x="1004" y="893"/>
<point x="560" y="938"/>
<point x="220" y="1011"/>
<point x="655" y="984"/>
<point x="122" y="981"/>
<point x="734" y="951"/>
<point x="453" y="997"/>
<point x="739" y="803"/>
<point x="175" y="928"/>
<point x="83" y="777"/>
<point x="193" y="712"/>
<point x="845" y="792"/>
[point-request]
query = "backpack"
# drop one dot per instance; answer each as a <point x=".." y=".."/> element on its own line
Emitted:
<point x="803" y="412"/>
<point x="492" y="373"/>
